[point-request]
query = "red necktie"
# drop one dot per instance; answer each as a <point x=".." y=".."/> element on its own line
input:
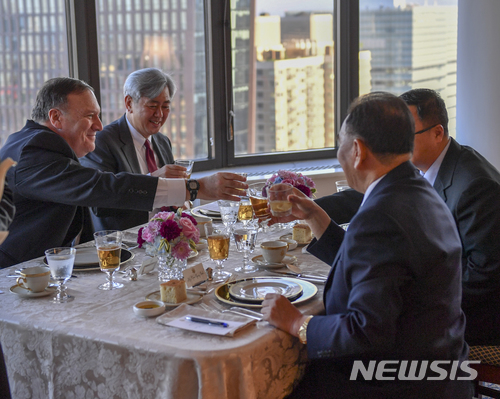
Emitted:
<point x="150" y="157"/>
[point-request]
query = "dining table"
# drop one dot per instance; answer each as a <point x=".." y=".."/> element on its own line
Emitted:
<point x="96" y="346"/>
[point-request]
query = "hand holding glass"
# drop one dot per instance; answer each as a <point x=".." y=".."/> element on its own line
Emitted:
<point x="108" y="244"/>
<point x="218" y="249"/>
<point x="245" y="242"/>
<point x="188" y="164"/>
<point x="60" y="261"/>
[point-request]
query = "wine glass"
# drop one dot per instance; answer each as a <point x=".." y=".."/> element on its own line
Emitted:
<point x="229" y="213"/>
<point x="218" y="249"/>
<point x="245" y="242"/>
<point x="245" y="211"/>
<point x="258" y="199"/>
<point x="109" y="245"/>
<point x="60" y="261"/>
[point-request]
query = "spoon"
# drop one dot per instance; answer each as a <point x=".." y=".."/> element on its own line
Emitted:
<point x="294" y="268"/>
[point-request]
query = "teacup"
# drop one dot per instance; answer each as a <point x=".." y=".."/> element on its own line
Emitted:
<point x="34" y="279"/>
<point x="274" y="251"/>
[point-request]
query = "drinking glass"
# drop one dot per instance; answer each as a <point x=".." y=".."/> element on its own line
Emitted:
<point x="278" y="199"/>
<point x="229" y="213"/>
<point x="218" y="249"/>
<point x="109" y="244"/>
<point x="188" y="164"/>
<point x="258" y="199"/>
<point x="61" y="262"/>
<point x="245" y="242"/>
<point x="342" y="185"/>
<point x="245" y="211"/>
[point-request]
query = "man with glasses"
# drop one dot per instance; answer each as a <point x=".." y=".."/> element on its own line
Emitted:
<point x="470" y="187"/>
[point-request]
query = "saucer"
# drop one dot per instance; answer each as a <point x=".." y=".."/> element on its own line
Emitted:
<point x="191" y="298"/>
<point x="24" y="293"/>
<point x="259" y="261"/>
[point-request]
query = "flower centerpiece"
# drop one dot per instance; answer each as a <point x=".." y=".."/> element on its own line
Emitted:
<point x="297" y="180"/>
<point x="171" y="236"/>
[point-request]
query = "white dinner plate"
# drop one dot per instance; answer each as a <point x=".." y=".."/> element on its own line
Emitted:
<point x="289" y="236"/>
<point x="24" y="293"/>
<point x="86" y="259"/>
<point x="191" y="298"/>
<point x="222" y="292"/>
<point x="255" y="289"/>
<point x="260" y="262"/>
<point x="203" y="212"/>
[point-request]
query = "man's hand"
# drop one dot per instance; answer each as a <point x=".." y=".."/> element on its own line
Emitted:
<point x="171" y="171"/>
<point x="222" y="185"/>
<point x="280" y="312"/>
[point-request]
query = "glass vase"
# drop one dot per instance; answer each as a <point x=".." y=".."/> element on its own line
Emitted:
<point x="170" y="268"/>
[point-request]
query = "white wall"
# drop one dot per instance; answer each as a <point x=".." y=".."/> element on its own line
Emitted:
<point x="478" y="80"/>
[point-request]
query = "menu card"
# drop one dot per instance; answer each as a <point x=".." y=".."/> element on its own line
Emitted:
<point x="177" y="318"/>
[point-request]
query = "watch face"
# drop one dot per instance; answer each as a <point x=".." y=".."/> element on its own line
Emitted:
<point x="193" y="185"/>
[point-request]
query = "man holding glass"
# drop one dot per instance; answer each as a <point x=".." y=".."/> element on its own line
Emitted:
<point x="393" y="293"/>
<point x="134" y="143"/>
<point x="52" y="190"/>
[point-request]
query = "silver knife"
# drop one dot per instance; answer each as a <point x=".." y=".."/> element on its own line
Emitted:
<point x="303" y="275"/>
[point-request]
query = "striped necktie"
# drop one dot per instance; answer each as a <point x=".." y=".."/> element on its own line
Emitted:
<point x="150" y="157"/>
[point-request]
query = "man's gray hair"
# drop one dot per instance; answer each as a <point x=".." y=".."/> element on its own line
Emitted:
<point x="149" y="83"/>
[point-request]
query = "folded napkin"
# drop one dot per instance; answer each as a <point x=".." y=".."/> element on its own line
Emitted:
<point x="177" y="318"/>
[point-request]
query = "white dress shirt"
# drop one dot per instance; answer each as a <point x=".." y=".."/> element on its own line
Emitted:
<point x="432" y="172"/>
<point x="169" y="191"/>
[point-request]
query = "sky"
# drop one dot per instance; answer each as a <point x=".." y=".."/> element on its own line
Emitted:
<point x="279" y="7"/>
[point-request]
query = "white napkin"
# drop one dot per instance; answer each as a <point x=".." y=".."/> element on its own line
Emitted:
<point x="177" y="318"/>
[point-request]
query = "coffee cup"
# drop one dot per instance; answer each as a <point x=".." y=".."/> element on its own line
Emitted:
<point x="274" y="251"/>
<point x="34" y="279"/>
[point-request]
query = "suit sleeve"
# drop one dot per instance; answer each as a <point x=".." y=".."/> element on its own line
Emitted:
<point x="341" y="207"/>
<point x="372" y="265"/>
<point x="47" y="169"/>
<point x="478" y="220"/>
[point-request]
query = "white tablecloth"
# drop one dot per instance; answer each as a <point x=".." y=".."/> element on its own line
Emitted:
<point x="96" y="347"/>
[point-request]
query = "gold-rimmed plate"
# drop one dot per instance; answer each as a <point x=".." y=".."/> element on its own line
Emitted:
<point x="309" y="290"/>
<point x="300" y="243"/>
<point x="255" y="290"/>
<point x="261" y="263"/>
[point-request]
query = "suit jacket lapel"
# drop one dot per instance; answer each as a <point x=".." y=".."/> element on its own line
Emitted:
<point x="127" y="146"/>
<point x="445" y="174"/>
<point x="163" y="156"/>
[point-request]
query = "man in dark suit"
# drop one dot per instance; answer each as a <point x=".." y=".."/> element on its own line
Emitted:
<point x="470" y="186"/>
<point x="121" y="145"/>
<point x="52" y="190"/>
<point x="393" y="292"/>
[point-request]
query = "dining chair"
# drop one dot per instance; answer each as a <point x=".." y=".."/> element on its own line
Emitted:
<point x="487" y="382"/>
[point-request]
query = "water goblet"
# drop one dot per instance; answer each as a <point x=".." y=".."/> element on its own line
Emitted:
<point x="229" y="213"/>
<point x="218" y="249"/>
<point x="245" y="242"/>
<point x="188" y="164"/>
<point x="109" y="244"/>
<point x="60" y="261"/>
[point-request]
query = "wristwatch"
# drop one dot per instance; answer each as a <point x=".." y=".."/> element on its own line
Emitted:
<point x="192" y="186"/>
<point x="302" y="333"/>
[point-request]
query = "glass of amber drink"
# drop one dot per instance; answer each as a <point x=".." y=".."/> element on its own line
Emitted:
<point x="278" y="199"/>
<point x="108" y="244"/>
<point x="218" y="249"/>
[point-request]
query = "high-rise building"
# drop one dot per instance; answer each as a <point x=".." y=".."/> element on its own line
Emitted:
<point x="412" y="47"/>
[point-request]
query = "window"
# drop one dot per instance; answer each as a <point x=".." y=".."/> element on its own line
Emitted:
<point x="32" y="50"/>
<point x="404" y="47"/>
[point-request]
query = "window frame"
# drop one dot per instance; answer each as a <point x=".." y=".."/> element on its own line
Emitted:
<point x="84" y="64"/>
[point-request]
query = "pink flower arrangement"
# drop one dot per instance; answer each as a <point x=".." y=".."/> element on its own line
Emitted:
<point x="298" y="180"/>
<point x="174" y="233"/>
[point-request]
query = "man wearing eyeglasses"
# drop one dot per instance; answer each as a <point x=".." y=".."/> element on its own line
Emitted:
<point x="470" y="187"/>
